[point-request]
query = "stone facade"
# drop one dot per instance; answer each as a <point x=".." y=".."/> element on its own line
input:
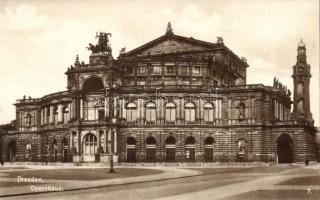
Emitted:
<point x="174" y="99"/>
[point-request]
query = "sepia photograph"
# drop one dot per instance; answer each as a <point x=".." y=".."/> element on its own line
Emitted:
<point x="163" y="100"/>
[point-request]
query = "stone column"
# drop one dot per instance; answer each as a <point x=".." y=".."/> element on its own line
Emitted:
<point x="79" y="143"/>
<point x="71" y="139"/>
<point x="98" y="138"/>
<point x="81" y="109"/>
<point x="42" y="117"/>
<point x="51" y="118"/>
<point x="45" y="116"/>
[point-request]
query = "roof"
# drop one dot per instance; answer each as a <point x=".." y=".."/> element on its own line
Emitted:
<point x="171" y="43"/>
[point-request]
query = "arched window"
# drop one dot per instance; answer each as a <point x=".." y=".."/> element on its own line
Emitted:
<point x="131" y="112"/>
<point x="190" y="140"/>
<point x="170" y="140"/>
<point x="208" y="110"/>
<point x="209" y="141"/>
<point x="190" y="112"/>
<point x="93" y="84"/>
<point x="151" y="112"/>
<point x="65" y="114"/>
<point x="90" y="144"/>
<point x="170" y="112"/>
<point x="151" y="141"/>
<point x="131" y="141"/>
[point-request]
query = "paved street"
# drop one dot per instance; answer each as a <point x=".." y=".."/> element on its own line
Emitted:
<point x="269" y="182"/>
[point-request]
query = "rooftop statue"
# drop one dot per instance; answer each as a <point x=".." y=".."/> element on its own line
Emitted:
<point x="103" y="45"/>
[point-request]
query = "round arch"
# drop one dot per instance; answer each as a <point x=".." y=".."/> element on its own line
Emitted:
<point x="170" y="140"/>
<point x="90" y="143"/>
<point x="92" y="84"/>
<point x="151" y="141"/>
<point x="209" y="141"/>
<point x="131" y="141"/>
<point x="11" y="151"/>
<point x="284" y="148"/>
<point x="131" y="149"/>
<point x="190" y="140"/>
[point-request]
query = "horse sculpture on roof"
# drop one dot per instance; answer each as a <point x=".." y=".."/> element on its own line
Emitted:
<point x="103" y="45"/>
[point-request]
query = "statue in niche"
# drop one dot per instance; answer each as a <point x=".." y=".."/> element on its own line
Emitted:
<point x="28" y="120"/>
<point x="241" y="111"/>
<point x="241" y="147"/>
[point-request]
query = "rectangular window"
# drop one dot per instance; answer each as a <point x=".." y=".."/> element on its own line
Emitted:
<point x="129" y="70"/>
<point x="170" y="115"/>
<point x="183" y="69"/>
<point x="170" y="69"/>
<point x="195" y="70"/>
<point x="156" y="70"/>
<point x="142" y="70"/>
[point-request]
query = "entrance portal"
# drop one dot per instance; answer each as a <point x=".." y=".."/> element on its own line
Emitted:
<point x="131" y="149"/>
<point x="11" y="151"/>
<point x="65" y="150"/>
<point x="170" y="149"/>
<point x="209" y="145"/>
<point x="151" y="149"/>
<point x="190" y="149"/>
<point x="284" y="147"/>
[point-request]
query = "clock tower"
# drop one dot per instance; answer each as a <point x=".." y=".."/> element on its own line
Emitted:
<point x="301" y="81"/>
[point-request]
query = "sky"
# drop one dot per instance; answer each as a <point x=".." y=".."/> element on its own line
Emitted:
<point x="39" y="40"/>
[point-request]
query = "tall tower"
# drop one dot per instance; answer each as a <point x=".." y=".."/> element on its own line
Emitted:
<point x="301" y="81"/>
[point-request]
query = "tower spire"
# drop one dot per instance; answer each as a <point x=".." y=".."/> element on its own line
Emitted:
<point x="301" y="81"/>
<point x="169" y="29"/>
<point x="77" y="62"/>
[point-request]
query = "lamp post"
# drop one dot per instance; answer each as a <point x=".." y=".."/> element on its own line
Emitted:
<point x="109" y="98"/>
<point x="217" y="106"/>
<point x="113" y="122"/>
<point x="157" y="91"/>
<point x="157" y="104"/>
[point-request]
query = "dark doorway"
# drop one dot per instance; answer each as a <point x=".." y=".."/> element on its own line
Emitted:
<point x="131" y="149"/>
<point x="131" y="155"/>
<point x="151" y="149"/>
<point x="170" y="154"/>
<point x="55" y="149"/>
<point x="65" y="150"/>
<point x="284" y="146"/>
<point x="190" y="149"/>
<point x="11" y="151"/>
<point x="170" y="149"/>
<point x="209" y="145"/>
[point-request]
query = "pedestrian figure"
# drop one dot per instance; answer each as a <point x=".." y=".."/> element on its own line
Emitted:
<point x="2" y="162"/>
<point x="307" y="162"/>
